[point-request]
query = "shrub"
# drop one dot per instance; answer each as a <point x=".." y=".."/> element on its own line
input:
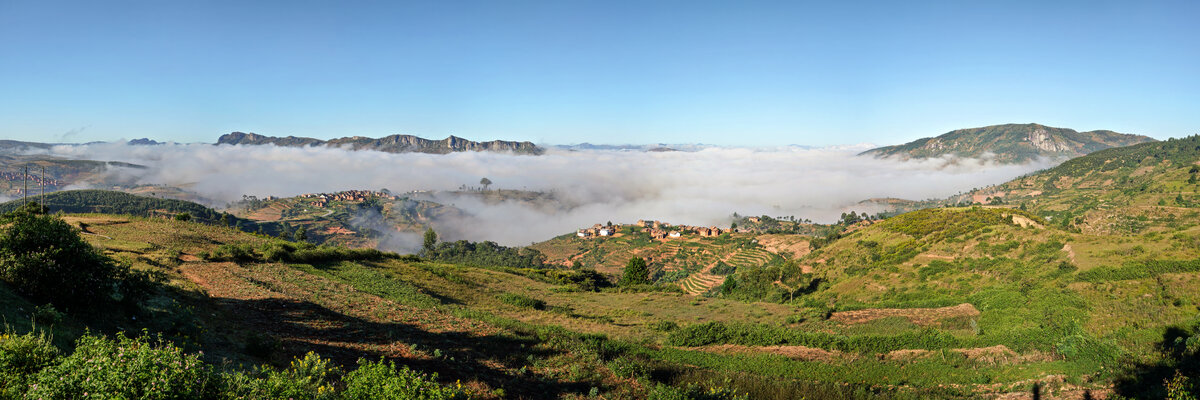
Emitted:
<point x="664" y="326"/>
<point x="383" y="381"/>
<point x="124" y="368"/>
<point x="522" y="301"/>
<point x="693" y="392"/>
<point x="310" y="377"/>
<point x="45" y="258"/>
<point x="629" y="368"/>
<point x="21" y="358"/>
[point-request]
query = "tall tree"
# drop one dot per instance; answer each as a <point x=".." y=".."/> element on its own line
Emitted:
<point x="636" y="272"/>
<point x="485" y="182"/>
<point x="430" y="239"/>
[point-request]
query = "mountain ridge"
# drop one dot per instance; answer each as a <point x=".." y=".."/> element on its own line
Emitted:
<point x="1011" y="143"/>
<point x="389" y="144"/>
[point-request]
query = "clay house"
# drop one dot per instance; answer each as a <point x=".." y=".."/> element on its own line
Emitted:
<point x="658" y="234"/>
<point x="674" y="234"/>
<point x="584" y="233"/>
<point x="753" y="219"/>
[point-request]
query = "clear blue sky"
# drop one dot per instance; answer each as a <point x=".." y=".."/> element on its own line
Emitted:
<point x="563" y="71"/>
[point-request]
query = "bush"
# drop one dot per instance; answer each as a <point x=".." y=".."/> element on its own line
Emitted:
<point x="44" y="258"/>
<point x="124" y="368"/>
<point x="522" y="301"/>
<point x="693" y="392"/>
<point x="383" y="381"/>
<point x="664" y="326"/>
<point x="629" y="368"/>
<point x="310" y="377"/>
<point x="21" y="358"/>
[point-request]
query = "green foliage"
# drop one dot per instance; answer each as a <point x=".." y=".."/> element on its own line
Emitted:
<point x="582" y="279"/>
<point x="485" y="254"/>
<point x="721" y="268"/>
<point x="636" y="272"/>
<point x="769" y="335"/>
<point x="938" y="224"/>
<point x="693" y="392"/>
<point x="144" y="368"/>
<point x="304" y="253"/>
<point x="307" y="378"/>
<point x="183" y="217"/>
<point x="124" y="368"/>
<point x="1139" y="270"/>
<point x="383" y="381"/>
<point x="43" y="257"/>
<point x="21" y="358"/>
<point x="430" y="239"/>
<point x="522" y="301"/>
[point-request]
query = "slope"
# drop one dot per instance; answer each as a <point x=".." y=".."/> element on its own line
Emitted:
<point x="1011" y="143"/>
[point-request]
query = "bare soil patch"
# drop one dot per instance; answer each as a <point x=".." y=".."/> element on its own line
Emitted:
<point x="919" y="316"/>
<point x="785" y="245"/>
<point x="793" y="352"/>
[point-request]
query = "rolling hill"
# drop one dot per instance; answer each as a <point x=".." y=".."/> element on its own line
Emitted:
<point x="1011" y="143"/>
<point x="1130" y="191"/>
<point x="247" y="301"/>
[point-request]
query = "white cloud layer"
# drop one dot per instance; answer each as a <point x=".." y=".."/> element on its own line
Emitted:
<point x="698" y="188"/>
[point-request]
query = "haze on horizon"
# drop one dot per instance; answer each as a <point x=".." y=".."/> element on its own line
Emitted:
<point x="758" y="74"/>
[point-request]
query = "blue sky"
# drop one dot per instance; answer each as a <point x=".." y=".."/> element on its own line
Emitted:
<point x="734" y="73"/>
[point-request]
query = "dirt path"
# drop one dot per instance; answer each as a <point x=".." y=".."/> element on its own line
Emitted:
<point x="919" y="316"/>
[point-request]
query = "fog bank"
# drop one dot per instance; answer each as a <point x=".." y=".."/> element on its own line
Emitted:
<point x="699" y="188"/>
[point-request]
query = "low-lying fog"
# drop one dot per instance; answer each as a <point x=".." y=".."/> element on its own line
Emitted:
<point x="698" y="188"/>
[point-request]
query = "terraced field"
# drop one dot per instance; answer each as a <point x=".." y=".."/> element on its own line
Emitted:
<point x="752" y="257"/>
<point x="700" y="283"/>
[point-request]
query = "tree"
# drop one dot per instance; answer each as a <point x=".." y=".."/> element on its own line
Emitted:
<point x="44" y="257"/>
<point x="636" y="272"/>
<point x="485" y="182"/>
<point x="183" y="217"/>
<point x="430" y="239"/>
<point x="301" y="235"/>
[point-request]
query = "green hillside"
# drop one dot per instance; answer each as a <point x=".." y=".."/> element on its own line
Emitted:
<point x="112" y="202"/>
<point x="1129" y="191"/>
<point x="1011" y="143"/>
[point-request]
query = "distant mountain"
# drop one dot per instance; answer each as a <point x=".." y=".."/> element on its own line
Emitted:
<point x="15" y="146"/>
<point x="389" y="144"/>
<point x="144" y="142"/>
<point x="1011" y="143"/>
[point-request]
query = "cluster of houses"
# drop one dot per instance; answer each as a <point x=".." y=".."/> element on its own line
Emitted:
<point x="323" y="199"/>
<point x="657" y="230"/>
<point x="33" y="180"/>
<point x="598" y="230"/>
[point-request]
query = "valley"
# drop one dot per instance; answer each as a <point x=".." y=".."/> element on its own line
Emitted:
<point x="1078" y="281"/>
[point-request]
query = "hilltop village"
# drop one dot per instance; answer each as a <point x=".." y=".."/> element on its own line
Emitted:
<point x="323" y="199"/>
<point x="657" y="230"/>
<point x="33" y="181"/>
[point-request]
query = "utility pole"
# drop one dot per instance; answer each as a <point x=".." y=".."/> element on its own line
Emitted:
<point x="43" y="196"/>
